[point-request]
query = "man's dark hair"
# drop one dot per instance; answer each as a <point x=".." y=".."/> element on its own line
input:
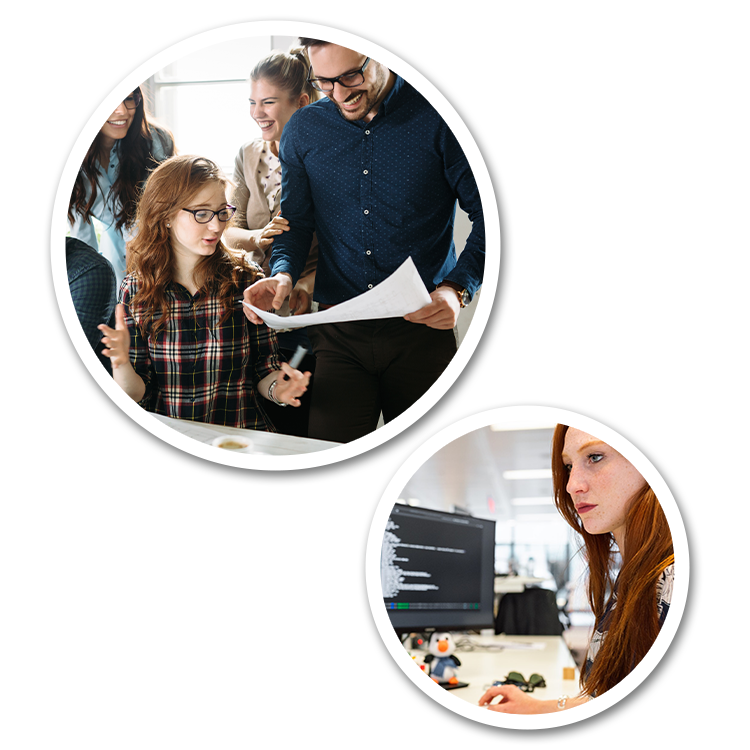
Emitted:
<point x="306" y="42"/>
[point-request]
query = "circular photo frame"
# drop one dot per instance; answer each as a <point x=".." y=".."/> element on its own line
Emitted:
<point x="432" y="458"/>
<point x="296" y="457"/>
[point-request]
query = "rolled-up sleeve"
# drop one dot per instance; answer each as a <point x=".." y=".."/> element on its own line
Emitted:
<point x="265" y="346"/>
<point x="469" y="268"/>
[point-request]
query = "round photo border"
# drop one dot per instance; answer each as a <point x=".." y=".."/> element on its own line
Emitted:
<point x="525" y="417"/>
<point x="345" y="459"/>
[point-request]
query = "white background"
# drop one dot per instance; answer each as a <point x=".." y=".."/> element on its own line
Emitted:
<point x="152" y="599"/>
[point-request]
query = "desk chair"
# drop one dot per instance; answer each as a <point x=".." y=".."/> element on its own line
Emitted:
<point x="531" y="612"/>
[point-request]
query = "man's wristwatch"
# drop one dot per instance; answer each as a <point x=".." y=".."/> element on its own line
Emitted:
<point x="463" y="294"/>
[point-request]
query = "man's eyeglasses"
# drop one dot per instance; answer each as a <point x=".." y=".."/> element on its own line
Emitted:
<point x="348" y="80"/>
<point x="203" y="215"/>
<point x="132" y="101"/>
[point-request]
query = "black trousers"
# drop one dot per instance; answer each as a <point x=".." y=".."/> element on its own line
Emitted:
<point x="366" y="367"/>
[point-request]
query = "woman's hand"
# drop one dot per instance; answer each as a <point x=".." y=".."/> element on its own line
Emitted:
<point x="515" y="701"/>
<point x="275" y="227"/>
<point x="289" y="391"/>
<point x="117" y="339"/>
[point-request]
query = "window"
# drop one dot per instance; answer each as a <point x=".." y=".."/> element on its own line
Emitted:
<point x="203" y="97"/>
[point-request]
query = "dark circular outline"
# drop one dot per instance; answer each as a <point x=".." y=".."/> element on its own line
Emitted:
<point x="431" y="421"/>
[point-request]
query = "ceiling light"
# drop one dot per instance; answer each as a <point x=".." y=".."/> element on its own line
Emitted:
<point x="528" y="474"/>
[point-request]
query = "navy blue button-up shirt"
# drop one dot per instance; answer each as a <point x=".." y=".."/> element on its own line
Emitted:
<point x="376" y="193"/>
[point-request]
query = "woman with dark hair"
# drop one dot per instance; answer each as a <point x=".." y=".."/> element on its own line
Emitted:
<point x="622" y="525"/>
<point x="114" y="169"/>
<point x="278" y="88"/>
<point x="182" y="345"/>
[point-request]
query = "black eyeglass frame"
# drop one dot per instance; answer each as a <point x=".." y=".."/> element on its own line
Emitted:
<point x="196" y="211"/>
<point x="136" y="96"/>
<point x="333" y="81"/>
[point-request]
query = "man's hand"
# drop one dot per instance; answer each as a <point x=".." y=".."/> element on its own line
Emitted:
<point x="441" y="313"/>
<point x="267" y="294"/>
<point x="300" y="301"/>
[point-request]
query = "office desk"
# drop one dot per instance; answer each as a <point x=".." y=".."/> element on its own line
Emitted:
<point x="515" y="584"/>
<point x="546" y="655"/>
<point x="271" y="443"/>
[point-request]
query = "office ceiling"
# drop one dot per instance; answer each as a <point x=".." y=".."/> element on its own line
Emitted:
<point x="468" y="474"/>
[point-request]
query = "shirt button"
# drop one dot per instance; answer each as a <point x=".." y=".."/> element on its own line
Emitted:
<point x="366" y="212"/>
<point x="365" y="172"/>
<point x="368" y="252"/>
<point x="367" y="132"/>
<point x="369" y="286"/>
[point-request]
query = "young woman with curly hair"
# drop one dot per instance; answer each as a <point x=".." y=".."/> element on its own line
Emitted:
<point x="182" y="345"/>
<point x="630" y="557"/>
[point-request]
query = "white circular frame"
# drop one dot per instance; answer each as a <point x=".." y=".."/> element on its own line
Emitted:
<point x="520" y="417"/>
<point x="339" y="452"/>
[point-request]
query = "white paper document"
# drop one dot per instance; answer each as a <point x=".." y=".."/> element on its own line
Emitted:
<point x="403" y="292"/>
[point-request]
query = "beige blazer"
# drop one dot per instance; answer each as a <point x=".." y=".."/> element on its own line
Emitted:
<point x="253" y="212"/>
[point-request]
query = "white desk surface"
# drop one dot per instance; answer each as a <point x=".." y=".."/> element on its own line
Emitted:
<point x="544" y="654"/>
<point x="271" y="443"/>
<point x="515" y="584"/>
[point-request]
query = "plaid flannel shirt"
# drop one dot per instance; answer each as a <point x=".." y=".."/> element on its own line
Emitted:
<point x="197" y="369"/>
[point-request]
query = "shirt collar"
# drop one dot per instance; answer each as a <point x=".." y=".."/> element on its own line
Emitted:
<point x="114" y="154"/>
<point x="391" y="100"/>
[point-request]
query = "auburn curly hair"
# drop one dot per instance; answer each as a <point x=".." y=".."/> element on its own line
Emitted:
<point x="169" y="188"/>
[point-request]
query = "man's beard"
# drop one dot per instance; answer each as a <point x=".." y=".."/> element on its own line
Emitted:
<point x="369" y="100"/>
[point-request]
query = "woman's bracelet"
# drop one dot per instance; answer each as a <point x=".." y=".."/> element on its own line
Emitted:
<point x="272" y="393"/>
<point x="561" y="701"/>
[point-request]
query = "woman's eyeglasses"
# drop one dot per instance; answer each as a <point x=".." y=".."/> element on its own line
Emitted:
<point x="132" y="101"/>
<point x="203" y="215"/>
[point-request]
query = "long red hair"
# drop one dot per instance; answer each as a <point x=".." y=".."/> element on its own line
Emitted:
<point x="169" y="188"/>
<point x="633" y="624"/>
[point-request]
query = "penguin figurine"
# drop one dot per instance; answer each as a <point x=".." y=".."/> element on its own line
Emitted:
<point x="441" y="659"/>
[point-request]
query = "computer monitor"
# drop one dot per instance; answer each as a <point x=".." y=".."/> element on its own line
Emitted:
<point x="437" y="570"/>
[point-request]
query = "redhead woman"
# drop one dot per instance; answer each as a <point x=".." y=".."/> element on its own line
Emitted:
<point x="622" y="525"/>
<point x="114" y="169"/>
<point x="278" y="88"/>
<point x="182" y="345"/>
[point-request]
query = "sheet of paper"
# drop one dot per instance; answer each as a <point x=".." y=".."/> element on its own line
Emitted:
<point x="401" y="293"/>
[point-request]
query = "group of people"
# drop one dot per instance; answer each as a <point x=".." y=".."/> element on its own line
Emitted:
<point x="355" y="172"/>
